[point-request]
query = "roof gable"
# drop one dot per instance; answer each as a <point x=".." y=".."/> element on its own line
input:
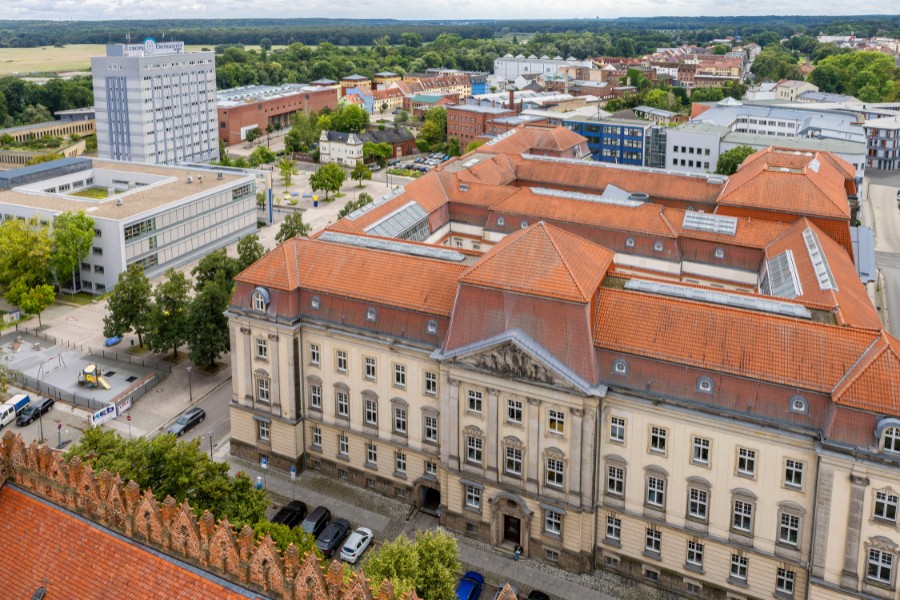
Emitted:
<point x="874" y="382"/>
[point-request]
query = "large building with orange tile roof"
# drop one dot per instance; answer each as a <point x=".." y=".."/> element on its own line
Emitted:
<point x="597" y="363"/>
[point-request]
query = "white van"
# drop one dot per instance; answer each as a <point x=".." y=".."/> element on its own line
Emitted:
<point x="7" y="414"/>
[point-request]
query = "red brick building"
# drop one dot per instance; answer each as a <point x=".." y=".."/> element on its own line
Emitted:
<point x="242" y="109"/>
<point x="467" y="122"/>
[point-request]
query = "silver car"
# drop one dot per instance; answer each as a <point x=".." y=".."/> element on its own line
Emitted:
<point x="356" y="544"/>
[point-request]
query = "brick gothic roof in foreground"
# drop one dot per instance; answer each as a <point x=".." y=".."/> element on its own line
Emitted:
<point x="92" y="536"/>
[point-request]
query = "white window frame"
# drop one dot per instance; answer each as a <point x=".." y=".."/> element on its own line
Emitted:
<point x="315" y="396"/>
<point x="788" y="527"/>
<point x="617" y="429"/>
<point x="880" y="560"/>
<point x="892" y="439"/>
<point x="259" y="302"/>
<point x="700" y="450"/>
<point x="263" y="390"/>
<point x="698" y="503"/>
<point x="400" y="420"/>
<point x="615" y="474"/>
<point x="884" y="503"/>
<point x="658" y="439"/>
<point x="371" y="368"/>
<point x="514" y="410"/>
<point x="400" y="376"/>
<point x="740" y="567"/>
<point x="371" y="453"/>
<point x="653" y="540"/>
<point x="262" y="348"/>
<point x="656" y="491"/>
<point x="343" y="445"/>
<point x="694" y="553"/>
<point x="264" y="431"/>
<point x="371" y="412"/>
<point x="431" y="383"/>
<point x="342" y="403"/>
<point x="400" y="461"/>
<point x="746" y="462"/>
<point x="475" y="401"/>
<point x="513" y="461"/>
<point x="793" y="473"/>
<point x="341" y="361"/>
<point x="742" y="515"/>
<point x="555" y="472"/>
<point x="430" y="467"/>
<point x="553" y="522"/>
<point x="431" y="429"/>
<point x="785" y="580"/>
<point x="474" y="449"/>
<point x="473" y="497"/>
<point x="317" y="437"/>
<point x="556" y="421"/>
<point x="314" y="355"/>
<point x="613" y="528"/>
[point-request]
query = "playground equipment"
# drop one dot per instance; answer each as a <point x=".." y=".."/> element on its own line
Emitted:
<point x="51" y="364"/>
<point x="92" y="376"/>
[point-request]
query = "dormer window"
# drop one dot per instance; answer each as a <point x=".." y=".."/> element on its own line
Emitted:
<point x="259" y="300"/>
<point x="501" y="221"/>
<point x="705" y="385"/>
<point x="798" y="405"/>
<point x="431" y="327"/>
<point x="523" y="224"/>
<point x="892" y="439"/>
<point x="630" y="242"/>
<point x="371" y="314"/>
<point x="620" y="367"/>
<point x="658" y="246"/>
<point x="315" y="302"/>
<point x="719" y="253"/>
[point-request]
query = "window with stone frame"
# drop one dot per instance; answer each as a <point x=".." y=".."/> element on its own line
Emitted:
<point x="793" y="473"/>
<point x="880" y="566"/>
<point x="784" y="581"/>
<point x="400" y="461"/>
<point x="473" y="496"/>
<point x="617" y="429"/>
<point x="788" y="528"/>
<point x="513" y="462"/>
<point x="885" y="505"/>
<point x="613" y="528"/>
<point x="262" y="348"/>
<point x="552" y="521"/>
<point x="658" y="436"/>
<point x="400" y="420"/>
<point x="742" y="516"/>
<point x="891" y="438"/>
<point x="342" y="403"/>
<point x="341" y="361"/>
<point x="615" y="480"/>
<point x="431" y="383"/>
<point x="430" y="428"/>
<point x="700" y="451"/>
<point x="370" y="368"/>
<point x="656" y="491"/>
<point x="653" y="540"/>
<point x="430" y="467"/>
<point x="475" y="400"/>
<point x="474" y="449"/>
<point x="513" y="410"/>
<point x="343" y="444"/>
<point x="698" y="502"/>
<point x="263" y="430"/>
<point x="315" y="396"/>
<point x="739" y="567"/>
<point x="556" y="421"/>
<point x="262" y="388"/>
<point x="555" y="472"/>
<point x="317" y="437"/>
<point x="371" y="454"/>
<point x="400" y="376"/>
<point x="746" y="462"/>
<point x="314" y="354"/>
<point x="371" y="412"/>
<point x="695" y="553"/>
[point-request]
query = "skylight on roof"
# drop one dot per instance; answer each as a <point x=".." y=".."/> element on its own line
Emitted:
<point x="698" y="221"/>
<point x="820" y="263"/>
<point x="781" y="277"/>
<point x="717" y="297"/>
<point x="612" y="198"/>
<point x="378" y="202"/>
<point x="392" y="246"/>
<point x="409" y="222"/>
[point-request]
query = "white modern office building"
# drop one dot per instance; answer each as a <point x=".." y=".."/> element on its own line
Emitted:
<point x="155" y="103"/>
<point x="509" y="67"/>
<point x="152" y="215"/>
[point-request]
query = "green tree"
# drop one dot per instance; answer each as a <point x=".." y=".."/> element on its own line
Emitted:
<point x="25" y="250"/>
<point x="379" y="152"/>
<point x="453" y="147"/>
<point x="249" y="250"/>
<point x="287" y="169"/>
<point x="253" y="135"/>
<point x="730" y="160"/>
<point x="261" y="156"/>
<point x="71" y="239"/>
<point x="401" y="117"/>
<point x="707" y="94"/>
<point x="167" y="325"/>
<point x="173" y="468"/>
<point x="350" y="118"/>
<point x="327" y="178"/>
<point x="292" y="226"/>
<point x="213" y="263"/>
<point x="352" y="205"/>
<point x="128" y="304"/>
<point x="34" y="300"/>
<point x="36" y="113"/>
<point x="359" y="173"/>
<point x="720" y="49"/>
<point x="265" y="43"/>
<point x="428" y="564"/>
<point x="475" y="145"/>
<point x="207" y="323"/>
<point x="411" y="40"/>
<point x="283" y="536"/>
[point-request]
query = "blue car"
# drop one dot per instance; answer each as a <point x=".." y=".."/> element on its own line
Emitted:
<point x="469" y="586"/>
<point x="112" y="341"/>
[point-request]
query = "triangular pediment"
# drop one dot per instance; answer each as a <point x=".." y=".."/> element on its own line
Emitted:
<point x="509" y="360"/>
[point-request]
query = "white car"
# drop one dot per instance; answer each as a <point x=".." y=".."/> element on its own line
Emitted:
<point x="356" y="544"/>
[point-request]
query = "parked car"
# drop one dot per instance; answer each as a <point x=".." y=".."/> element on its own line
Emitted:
<point x="7" y="415"/>
<point x="538" y="595"/>
<point x="500" y="590"/>
<point x="375" y="168"/>
<point x="187" y="421"/>
<point x="420" y="159"/>
<point x="356" y="544"/>
<point x="18" y="402"/>
<point x="34" y="410"/>
<point x="292" y="514"/>
<point x="316" y="521"/>
<point x="469" y="586"/>
<point x="112" y="341"/>
<point x="333" y="536"/>
<point x="447" y="157"/>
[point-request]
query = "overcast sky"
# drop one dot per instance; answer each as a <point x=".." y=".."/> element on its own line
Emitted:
<point x="424" y="9"/>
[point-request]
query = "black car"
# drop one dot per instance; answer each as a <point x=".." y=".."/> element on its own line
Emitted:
<point x="291" y="515"/>
<point x="34" y="410"/>
<point x="187" y="421"/>
<point x="316" y="521"/>
<point x="333" y="536"/>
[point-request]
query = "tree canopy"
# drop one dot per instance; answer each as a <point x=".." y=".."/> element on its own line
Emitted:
<point x="327" y="178"/>
<point x="868" y="76"/>
<point x="427" y="564"/>
<point x="128" y="305"/>
<point x="167" y="324"/>
<point x="207" y="323"/>
<point x="71" y="239"/>
<point x="292" y="226"/>
<point x="25" y="252"/>
<point x="730" y="160"/>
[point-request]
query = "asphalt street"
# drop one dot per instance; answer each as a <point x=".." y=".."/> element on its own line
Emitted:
<point x="886" y="216"/>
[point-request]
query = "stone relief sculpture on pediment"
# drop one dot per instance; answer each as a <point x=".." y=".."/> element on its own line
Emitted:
<point x="511" y="361"/>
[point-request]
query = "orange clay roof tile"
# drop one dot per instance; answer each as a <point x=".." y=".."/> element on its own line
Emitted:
<point x="543" y="260"/>
<point x="531" y="138"/>
<point x="874" y="382"/>
<point x="750" y="233"/>
<point x="746" y="343"/>
<point x="411" y="282"/>
<point x="74" y="559"/>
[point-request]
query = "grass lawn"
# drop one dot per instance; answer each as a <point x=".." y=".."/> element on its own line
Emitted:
<point x="92" y="192"/>
<point x="81" y="298"/>
<point x="48" y="59"/>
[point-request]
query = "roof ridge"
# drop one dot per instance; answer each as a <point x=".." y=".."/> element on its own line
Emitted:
<point x="559" y="251"/>
<point x="849" y="377"/>
<point x="815" y="182"/>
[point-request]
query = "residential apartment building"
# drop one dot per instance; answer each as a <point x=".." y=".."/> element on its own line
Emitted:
<point x="883" y="143"/>
<point x="347" y="148"/>
<point x="622" y="141"/>
<point x="256" y="107"/>
<point x="789" y="90"/>
<point x="468" y="123"/>
<point x="699" y="400"/>
<point x="151" y="215"/>
<point x="155" y="103"/>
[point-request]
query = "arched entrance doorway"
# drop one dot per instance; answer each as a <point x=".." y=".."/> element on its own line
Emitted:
<point x="510" y="521"/>
<point x="428" y="496"/>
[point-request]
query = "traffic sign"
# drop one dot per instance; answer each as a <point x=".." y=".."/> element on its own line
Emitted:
<point x="128" y="418"/>
<point x="293" y="472"/>
<point x="59" y="426"/>
<point x="264" y="462"/>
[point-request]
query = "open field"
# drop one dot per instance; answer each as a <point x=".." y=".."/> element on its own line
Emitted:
<point x="48" y="59"/>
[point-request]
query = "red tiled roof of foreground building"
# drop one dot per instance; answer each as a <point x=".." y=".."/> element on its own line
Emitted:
<point x="537" y="139"/>
<point x="70" y="558"/>
<point x="750" y="233"/>
<point x="874" y="382"/>
<point x="543" y="260"/>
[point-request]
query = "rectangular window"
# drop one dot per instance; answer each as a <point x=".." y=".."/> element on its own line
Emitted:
<point x="789" y="530"/>
<point x="746" y="462"/>
<point x="431" y="429"/>
<point x="400" y="376"/>
<point x="343" y="444"/>
<point x="314" y="354"/>
<point x="793" y="473"/>
<point x="431" y="383"/>
<point x="514" y="410"/>
<point x="698" y="503"/>
<point x="656" y="491"/>
<point x="739" y="567"/>
<point x="400" y="462"/>
<point x="886" y="506"/>
<point x="784" y="582"/>
<point x="880" y="566"/>
<point x="658" y="440"/>
<point x="315" y="396"/>
<point x="473" y="496"/>
<point x="616" y="429"/>
<point x="371" y="412"/>
<point x="557" y="421"/>
<point x="475" y="400"/>
<point x="513" y="461"/>
<point x="742" y="516"/>
<point x="341" y="361"/>
<point x="262" y="348"/>
<point x="317" y="437"/>
<point x="695" y="554"/>
<point x="473" y="449"/>
<point x="430" y="467"/>
<point x="343" y="403"/>
<point x="613" y="528"/>
<point x="700" y="453"/>
<point x="555" y="472"/>
<point x="262" y="390"/>
<point x="372" y="454"/>
<point x="370" y="368"/>
<point x="653" y="541"/>
<point x="615" y="480"/>
<point x="552" y="522"/>
<point x="263" y="431"/>
<point x="400" y="420"/>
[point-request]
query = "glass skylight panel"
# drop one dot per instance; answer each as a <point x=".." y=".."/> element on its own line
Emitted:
<point x="392" y="246"/>
<point x="709" y="223"/>
<point x="820" y="263"/>
<point x="717" y="297"/>
<point x="782" y="277"/>
<point x="613" y="198"/>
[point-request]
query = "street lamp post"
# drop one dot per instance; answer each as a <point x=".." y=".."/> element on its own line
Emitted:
<point x="210" y="435"/>
<point x="190" y="387"/>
